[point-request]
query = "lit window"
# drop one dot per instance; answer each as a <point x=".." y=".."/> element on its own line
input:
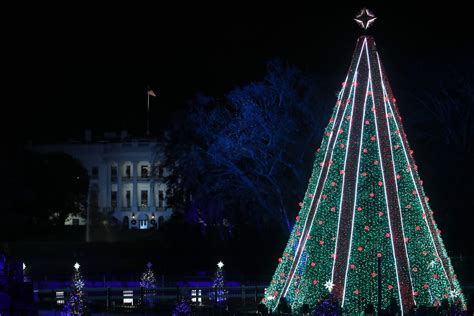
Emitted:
<point x="143" y="223"/>
<point x="60" y="298"/>
<point x="196" y="296"/>
<point x="128" y="297"/>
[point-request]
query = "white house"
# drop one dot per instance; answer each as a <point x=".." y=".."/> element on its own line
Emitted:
<point x="126" y="177"/>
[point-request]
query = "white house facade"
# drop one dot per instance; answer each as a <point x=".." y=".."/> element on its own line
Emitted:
<point x="126" y="178"/>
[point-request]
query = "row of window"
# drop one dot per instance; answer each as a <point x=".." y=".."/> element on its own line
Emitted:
<point x="143" y="202"/>
<point x="127" y="174"/>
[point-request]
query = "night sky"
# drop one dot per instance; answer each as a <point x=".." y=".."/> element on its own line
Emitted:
<point x="80" y="67"/>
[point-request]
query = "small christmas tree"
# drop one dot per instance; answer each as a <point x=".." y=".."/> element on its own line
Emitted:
<point x="148" y="280"/>
<point x="182" y="308"/>
<point x="218" y="293"/>
<point x="148" y="283"/>
<point x="75" y="304"/>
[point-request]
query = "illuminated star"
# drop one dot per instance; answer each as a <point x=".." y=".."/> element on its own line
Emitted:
<point x="220" y="264"/>
<point x="77" y="266"/>
<point x="432" y="263"/>
<point x="329" y="285"/>
<point x="454" y="293"/>
<point x="24" y="266"/>
<point x="365" y="18"/>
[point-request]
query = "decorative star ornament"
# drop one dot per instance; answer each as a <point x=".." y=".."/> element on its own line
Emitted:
<point x="77" y="266"/>
<point x="24" y="266"/>
<point x="432" y="263"/>
<point x="454" y="293"/>
<point x="220" y="264"/>
<point x="365" y="18"/>
<point x="329" y="285"/>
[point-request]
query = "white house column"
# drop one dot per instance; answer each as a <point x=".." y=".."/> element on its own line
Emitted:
<point x="108" y="190"/>
<point x="119" y="186"/>
<point x="152" y="204"/>
<point x="135" y="187"/>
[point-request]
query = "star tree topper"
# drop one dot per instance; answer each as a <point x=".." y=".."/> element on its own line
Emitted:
<point x="220" y="264"/>
<point x="77" y="266"/>
<point x="365" y="18"/>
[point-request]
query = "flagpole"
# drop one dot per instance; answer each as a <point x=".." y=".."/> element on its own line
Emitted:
<point x="148" y="112"/>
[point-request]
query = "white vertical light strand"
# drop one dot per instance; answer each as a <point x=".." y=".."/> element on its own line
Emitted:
<point x="419" y="196"/>
<point x="344" y="176"/>
<point x="290" y="277"/>
<point x="356" y="188"/>
<point x="303" y="238"/>
<point x="386" y="206"/>
<point x="396" y="186"/>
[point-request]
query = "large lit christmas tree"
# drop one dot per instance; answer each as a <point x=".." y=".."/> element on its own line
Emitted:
<point x="365" y="233"/>
<point x="75" y="304"/>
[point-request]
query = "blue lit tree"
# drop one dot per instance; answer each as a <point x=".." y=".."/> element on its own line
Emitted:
<point x="182" y="308"/>
<point x="148" y="280"/>
<point x="218" y="293"/>
<point x="247" y="151"/>
<point x="148" y="283"/>
<point x="75" y="304"/>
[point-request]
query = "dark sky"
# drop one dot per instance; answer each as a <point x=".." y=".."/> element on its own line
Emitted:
<point x="82" y="66"/>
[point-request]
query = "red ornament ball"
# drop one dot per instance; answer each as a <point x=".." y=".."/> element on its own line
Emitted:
<point x="315" y="282"/>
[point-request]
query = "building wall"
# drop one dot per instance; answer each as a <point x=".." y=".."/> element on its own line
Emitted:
<point x="106" y="164"/>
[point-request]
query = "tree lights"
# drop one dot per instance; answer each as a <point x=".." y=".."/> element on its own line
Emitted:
<point x="365" y="204"/>
<point x="75" y="304"/>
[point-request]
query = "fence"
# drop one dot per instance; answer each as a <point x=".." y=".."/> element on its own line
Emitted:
<point x="123" y="299"/>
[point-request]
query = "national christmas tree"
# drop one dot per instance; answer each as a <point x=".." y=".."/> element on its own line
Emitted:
<point x="365" y="232"/>
<point x="75" y="304"/>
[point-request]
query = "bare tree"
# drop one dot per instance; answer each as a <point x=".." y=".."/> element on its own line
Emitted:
<point x="247" y="158"/>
